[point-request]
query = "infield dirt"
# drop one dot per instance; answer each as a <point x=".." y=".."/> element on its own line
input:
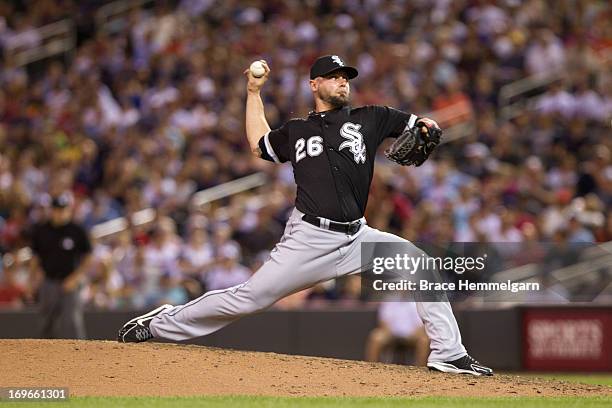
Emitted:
<point x="105" y="368"/>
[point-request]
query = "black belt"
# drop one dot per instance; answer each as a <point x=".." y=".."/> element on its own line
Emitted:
<point x="350" y="228"/>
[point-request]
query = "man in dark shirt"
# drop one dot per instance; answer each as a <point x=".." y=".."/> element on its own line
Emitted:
<point x="61" y="248"/>
<point x="332" y="152"/>
<point x="262" y="237"/>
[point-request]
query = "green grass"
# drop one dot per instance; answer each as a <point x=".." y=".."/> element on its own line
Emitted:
<point x="313" y="402"/>
<point x="261" y="402"/>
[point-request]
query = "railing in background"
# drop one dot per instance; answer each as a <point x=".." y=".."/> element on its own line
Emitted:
<point x="60" y="37"/>
<point x="198" y="199"/>
<point x="518" y="96"/>
<point x="55" y="38"/>
<point x="148" y="215"/>
<point x="459" y="116"/>
<point x="227" y="189"/>
<point x="119" y="224"/>
<point x="457" y="113"/>
<point x="523" y="94"/>
<point x="593" y="260"/>
<point x="112" y="17"/>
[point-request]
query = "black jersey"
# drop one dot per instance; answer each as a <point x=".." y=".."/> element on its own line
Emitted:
<point x="332" y="154"/>
<point x="60" y="248"/>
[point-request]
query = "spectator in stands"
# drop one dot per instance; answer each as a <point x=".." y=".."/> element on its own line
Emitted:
<point x="12" y="293"/>
<point x="398" y="324"/>
<point x="142" y="114"/>
<point x="197" y="253"/>
<point x="104" y="282"/>
<point x="170" y="290"/>
<point x="162" y="253"/>
<point x="228" y="272"/>
<point x="545" y="52"/>
<point x="577" y="233"/>
<point x="605" y="234"/>
<point x="262" y="237"/>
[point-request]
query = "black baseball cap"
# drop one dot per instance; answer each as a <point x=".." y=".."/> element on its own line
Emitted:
<point x="329" y="63"/>
<point x="61" y="201"/>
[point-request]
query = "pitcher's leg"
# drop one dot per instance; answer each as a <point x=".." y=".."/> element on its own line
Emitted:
<point x="292" y="267"/>
<point x="442" y="329"/>
<point x="438" y="319"/>
<point x="209" y="313"/>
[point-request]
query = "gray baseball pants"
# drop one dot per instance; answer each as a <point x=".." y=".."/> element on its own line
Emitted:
<point x="61" y="313"/>
<point x="306" y="255"/>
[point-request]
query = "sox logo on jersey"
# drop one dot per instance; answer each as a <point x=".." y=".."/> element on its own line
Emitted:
<point x="354" y="142"/>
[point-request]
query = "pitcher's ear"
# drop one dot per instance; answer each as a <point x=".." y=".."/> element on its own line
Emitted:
<point x="314" y="85"/>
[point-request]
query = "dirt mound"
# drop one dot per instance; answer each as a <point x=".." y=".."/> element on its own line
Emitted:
<point x="105" y="368"/>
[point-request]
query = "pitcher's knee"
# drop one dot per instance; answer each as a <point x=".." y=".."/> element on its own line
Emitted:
<point x="250" y="308"/>
<point x="264" y="299"/>
<point x="245" y="299"/>
<point x="248" y="303"/>
<point x="254" y="301"/>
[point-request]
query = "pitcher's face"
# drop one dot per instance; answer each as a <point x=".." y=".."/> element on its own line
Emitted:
<point x="333" y="88"/>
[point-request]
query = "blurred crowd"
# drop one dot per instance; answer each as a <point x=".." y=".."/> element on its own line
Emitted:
<point x="144" y="113"/>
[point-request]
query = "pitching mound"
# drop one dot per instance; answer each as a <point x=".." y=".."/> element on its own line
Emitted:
<point x="104" y="368"/>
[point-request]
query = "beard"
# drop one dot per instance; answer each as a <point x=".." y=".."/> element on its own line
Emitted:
<point x="337" y="101"/>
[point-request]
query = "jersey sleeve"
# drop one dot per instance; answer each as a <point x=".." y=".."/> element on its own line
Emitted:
<point x="391" y="122"/>
<point x="274" y="145"/>
<point x="32" y="235"/>
<point x="84" y="244"/>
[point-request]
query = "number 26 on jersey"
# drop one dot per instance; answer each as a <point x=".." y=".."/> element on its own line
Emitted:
<point x="314" y="147"/>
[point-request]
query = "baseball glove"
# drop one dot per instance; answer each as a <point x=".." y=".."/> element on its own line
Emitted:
<point x="414" y="145"/>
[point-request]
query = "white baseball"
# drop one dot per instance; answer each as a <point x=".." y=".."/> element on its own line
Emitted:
<point x="257" y="69"/>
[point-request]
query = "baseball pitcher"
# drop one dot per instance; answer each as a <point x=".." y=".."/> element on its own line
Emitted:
<point x="332" y="152"/>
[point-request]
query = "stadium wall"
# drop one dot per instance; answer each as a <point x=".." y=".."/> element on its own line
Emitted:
<point x="500" y="337"/>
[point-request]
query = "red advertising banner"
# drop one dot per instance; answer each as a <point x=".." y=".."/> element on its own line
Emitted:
<point x="567" y="338"/>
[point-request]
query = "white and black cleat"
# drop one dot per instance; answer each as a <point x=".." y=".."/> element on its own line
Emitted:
<point x="463" y="365"/>
<point x="137" y="329"/>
